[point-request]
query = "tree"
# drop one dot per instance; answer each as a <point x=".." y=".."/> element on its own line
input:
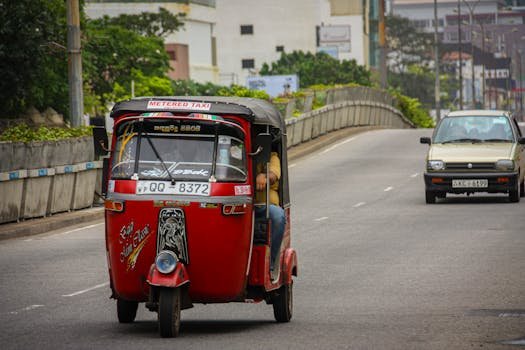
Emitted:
<point x="115" y="47"/>
<point x="33" y="55"/>
<point x="319" y="68"/>
<point x="160" y="24"/>
<point x="406" y="44"/>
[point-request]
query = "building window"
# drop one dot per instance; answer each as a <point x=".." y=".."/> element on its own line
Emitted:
<point x="279" y="48"/>
<point x="248" y="63"/>
<point x="247" y="29"/>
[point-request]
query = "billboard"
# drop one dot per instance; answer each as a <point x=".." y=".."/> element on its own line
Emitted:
<point x="274" y="85"/>
<point x="337" y="35"/>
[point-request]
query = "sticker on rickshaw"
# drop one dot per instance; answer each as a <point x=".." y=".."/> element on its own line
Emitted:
<point x="179" y="105"/>
<point x="166" y="187"/>
<point x="243" y="190"/>
<point x="163" y="204"/>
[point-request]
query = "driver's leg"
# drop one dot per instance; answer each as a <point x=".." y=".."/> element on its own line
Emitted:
<point x="278" y="220"/>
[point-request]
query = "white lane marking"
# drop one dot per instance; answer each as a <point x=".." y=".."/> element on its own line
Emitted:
<point x="331" y="148"/>
<point x="388" y="189"/>
<point x="360" y="204"/>
<point x="29" y="308"/>
<point x="86" y="290"/>
<point x="414" y="175"/>
<point x="321" y="219"/>
<point x="28" y="240"/>
<point x="78" y="229"/>
<point x="292" y="165"/>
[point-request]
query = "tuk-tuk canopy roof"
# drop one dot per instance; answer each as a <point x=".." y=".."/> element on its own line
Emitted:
<point x="255" y="110"/>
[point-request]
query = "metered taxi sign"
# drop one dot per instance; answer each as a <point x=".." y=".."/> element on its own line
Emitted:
<point x="179" y="105"/>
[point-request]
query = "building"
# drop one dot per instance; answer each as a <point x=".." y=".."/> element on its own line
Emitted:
<point x="192" y="50"/>
<point x="251" y="33"/>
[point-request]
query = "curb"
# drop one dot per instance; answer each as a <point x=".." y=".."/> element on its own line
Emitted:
<point x="38" y="226"/>
<point x="42" y="225"/>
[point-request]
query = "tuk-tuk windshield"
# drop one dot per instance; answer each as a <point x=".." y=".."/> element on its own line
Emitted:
<point x="179" y="150"/>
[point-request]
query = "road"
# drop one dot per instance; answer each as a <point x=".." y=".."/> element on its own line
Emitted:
<point x="379" y="269"/>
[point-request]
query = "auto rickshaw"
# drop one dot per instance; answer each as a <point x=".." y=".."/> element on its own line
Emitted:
<point x="179" y="207"/>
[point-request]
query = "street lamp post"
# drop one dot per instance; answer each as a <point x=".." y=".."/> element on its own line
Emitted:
<point x="436" y="60"/>
<point x="460" y="58"/>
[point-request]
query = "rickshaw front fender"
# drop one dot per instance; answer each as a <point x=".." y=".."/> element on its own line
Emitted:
<point x="289" y="265"/>
<point x="177" y="278"/>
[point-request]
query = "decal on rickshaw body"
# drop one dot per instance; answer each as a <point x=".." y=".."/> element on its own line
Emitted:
<point x="172" y="233"/>
<point x="132" y="243"/>
<point x="244" y="190"/>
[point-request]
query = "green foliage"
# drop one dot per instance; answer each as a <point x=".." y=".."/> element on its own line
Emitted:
<point x="412" y="109"/>
<point x="241" y="91"/>
<point x="144" y="86"/>
<point x="23" y="133"/>
<point x="192" y="88"/>
<point x="160" y="24"/>
<point x="318" y="68"/>
<point x="111" y="53"/>
<point x="33" y="56"/>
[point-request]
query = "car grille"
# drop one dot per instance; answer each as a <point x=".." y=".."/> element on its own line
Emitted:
<point x="171" y="234"/>
<point x="471" y="166"/>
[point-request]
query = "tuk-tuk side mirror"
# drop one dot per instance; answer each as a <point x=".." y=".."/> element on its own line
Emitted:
<point x="521" y="140"/>
<point x="100" y="141"/>
<point x="425" y="140"/>
<point x="262" y="148"/>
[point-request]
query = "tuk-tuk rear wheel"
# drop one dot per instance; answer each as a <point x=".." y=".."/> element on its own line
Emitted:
<point x="126" y="310"/>
<point x="283" y="303"/>
<point x="169" y="312"/>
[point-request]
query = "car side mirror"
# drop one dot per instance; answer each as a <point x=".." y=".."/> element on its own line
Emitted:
<point x="521" y="140"/>
<point x="425" y="140"/>
<point x="262" y="148"/>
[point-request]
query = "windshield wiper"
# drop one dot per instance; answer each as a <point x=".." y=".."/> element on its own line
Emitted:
<point x="463" y="140"/>
<point x="158" y="156"/>
<point x="497" y="140"/>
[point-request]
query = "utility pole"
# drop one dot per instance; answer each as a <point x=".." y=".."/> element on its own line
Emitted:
<point x="436" y="64"/>
<point x="382" y="45"/>
<point x="460" y="58"/>
<point x="76" y="97"/>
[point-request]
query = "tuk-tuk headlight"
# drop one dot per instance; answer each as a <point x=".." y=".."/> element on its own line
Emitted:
<point x="505" y="164"/>
<point x="166" y="261"/>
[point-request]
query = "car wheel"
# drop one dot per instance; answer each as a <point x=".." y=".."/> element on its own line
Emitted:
<point x="430" y="197"/>
<point x="522" y="189"/>
<point x="514" y="194"/>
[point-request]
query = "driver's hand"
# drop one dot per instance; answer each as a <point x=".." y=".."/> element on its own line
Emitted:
<point x="260" y="182"/>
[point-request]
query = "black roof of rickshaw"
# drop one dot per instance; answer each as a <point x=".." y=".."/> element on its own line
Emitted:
<point x="255" y="110"/>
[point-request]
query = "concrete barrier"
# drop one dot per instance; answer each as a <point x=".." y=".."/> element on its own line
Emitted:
<point x="11" y="192"/>
<point x="37" y="187"/>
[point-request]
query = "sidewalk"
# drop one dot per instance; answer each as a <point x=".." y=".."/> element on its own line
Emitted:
<point x="41" y="225"/>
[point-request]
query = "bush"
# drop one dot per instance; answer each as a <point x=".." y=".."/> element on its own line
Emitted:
<point x="24" y="133"/>
<point x="412" y="109"/>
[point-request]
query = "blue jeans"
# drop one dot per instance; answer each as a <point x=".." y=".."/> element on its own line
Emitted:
<point x="278" y="220"/>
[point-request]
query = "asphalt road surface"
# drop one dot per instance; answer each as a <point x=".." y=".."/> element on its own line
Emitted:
<point x="379" y="269"/>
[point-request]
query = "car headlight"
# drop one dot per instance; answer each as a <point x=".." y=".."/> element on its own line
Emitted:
<point x="166" y="261"/>
<point x="435" y="165"/>
<point x="505" y="164"/>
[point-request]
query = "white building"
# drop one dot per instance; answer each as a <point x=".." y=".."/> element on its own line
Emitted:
<point x="191" y="49"/>
<point x="252" y="32"/>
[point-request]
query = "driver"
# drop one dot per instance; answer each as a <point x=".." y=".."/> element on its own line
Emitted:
<point x="277" y="216"/>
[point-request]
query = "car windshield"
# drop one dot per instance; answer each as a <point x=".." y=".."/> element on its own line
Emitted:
<point x="474" y="129"/>
<point x="178" y="150"/>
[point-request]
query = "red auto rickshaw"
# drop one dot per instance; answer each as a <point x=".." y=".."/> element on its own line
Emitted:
<point x="179" y="207"/>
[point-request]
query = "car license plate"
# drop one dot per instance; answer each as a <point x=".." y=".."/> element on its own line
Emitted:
<point x="468" y="183"/>
<point x="165" y="187"/>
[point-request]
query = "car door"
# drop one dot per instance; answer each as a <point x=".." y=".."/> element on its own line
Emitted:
<point x="521" y="148"/>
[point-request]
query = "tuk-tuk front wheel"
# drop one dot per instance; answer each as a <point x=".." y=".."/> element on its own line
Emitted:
<point x="283" y="303"/>
<point x="126" y="310"/>
<point x="169" y="312"/>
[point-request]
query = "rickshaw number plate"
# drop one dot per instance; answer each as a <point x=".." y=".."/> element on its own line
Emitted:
<point x="165" y="187"/>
